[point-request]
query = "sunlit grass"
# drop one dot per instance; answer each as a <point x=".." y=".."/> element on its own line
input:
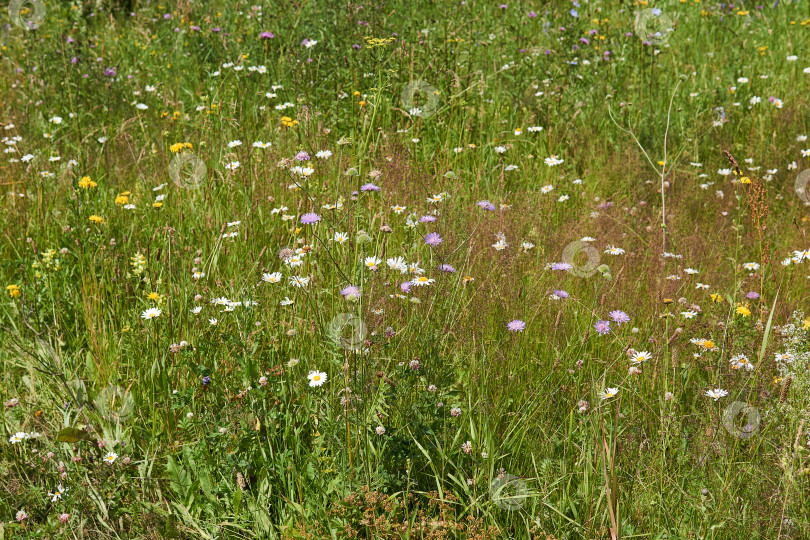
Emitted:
<point x="464" y="270"/>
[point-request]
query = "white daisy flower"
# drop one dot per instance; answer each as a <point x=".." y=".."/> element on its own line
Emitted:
<point x="297" y="281"/>
<point x="316" y="378"/>
<point x="151" y="313"/>
<point x="641" y="357"/>
<point x="716" y="394"/>
<point x="608" y="393"/>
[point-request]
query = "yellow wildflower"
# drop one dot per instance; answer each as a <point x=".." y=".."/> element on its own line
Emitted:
<point x="86" y="183"/>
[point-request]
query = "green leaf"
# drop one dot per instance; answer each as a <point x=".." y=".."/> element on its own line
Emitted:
<point x="237" y="503"/>
<point x="767" y="330"/>
<point x="72" y="435"/>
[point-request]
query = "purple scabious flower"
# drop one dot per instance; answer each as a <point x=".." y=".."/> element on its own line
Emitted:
<point x="516" y="326"/>
<point x="447" y="268"/>
<point x="369" y="187"/>
<point x="206" y="380"/>
<point x="405" y="286"/>
<point x="433" y="239"/>
<point x="560" y="294"/>
<point x="110" y="72"/>
<point x="267" y="35"/>
<point x="302" y="156"/>
<point x="561" y="266"/>
<point x="427" y="219"/>
<point x="752" y="295"/>
<point x="603" y="327"/>
<point x="350" y="292"/>
<point x="532" y="14"/>
<point x="310" y="218"/>
<point x="486" y="205"/>
<point x="619" y="316"/>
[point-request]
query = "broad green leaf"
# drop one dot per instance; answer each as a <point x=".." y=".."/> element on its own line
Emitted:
<point x="72" y="435"/>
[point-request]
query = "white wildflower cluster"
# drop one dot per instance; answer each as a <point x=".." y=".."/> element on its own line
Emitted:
<point x="138" y="264"/>
<point x="792" y="360"/>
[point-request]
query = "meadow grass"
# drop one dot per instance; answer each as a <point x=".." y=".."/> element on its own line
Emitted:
<point x="405" y="270"/>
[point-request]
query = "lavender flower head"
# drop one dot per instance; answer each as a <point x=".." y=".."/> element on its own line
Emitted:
<point x="433" y="239"/>
<point x="603" y="327"/>
<point x="302" y="156"/>
<point x="516" y="326"/>
<point x="486" y="205"/>
<point x="369" y="187"/>
<point x="619" y="316"/>
<point x="447" y="268"/>
<point x="350" y="292"/>
<point x="310" y="218"/>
